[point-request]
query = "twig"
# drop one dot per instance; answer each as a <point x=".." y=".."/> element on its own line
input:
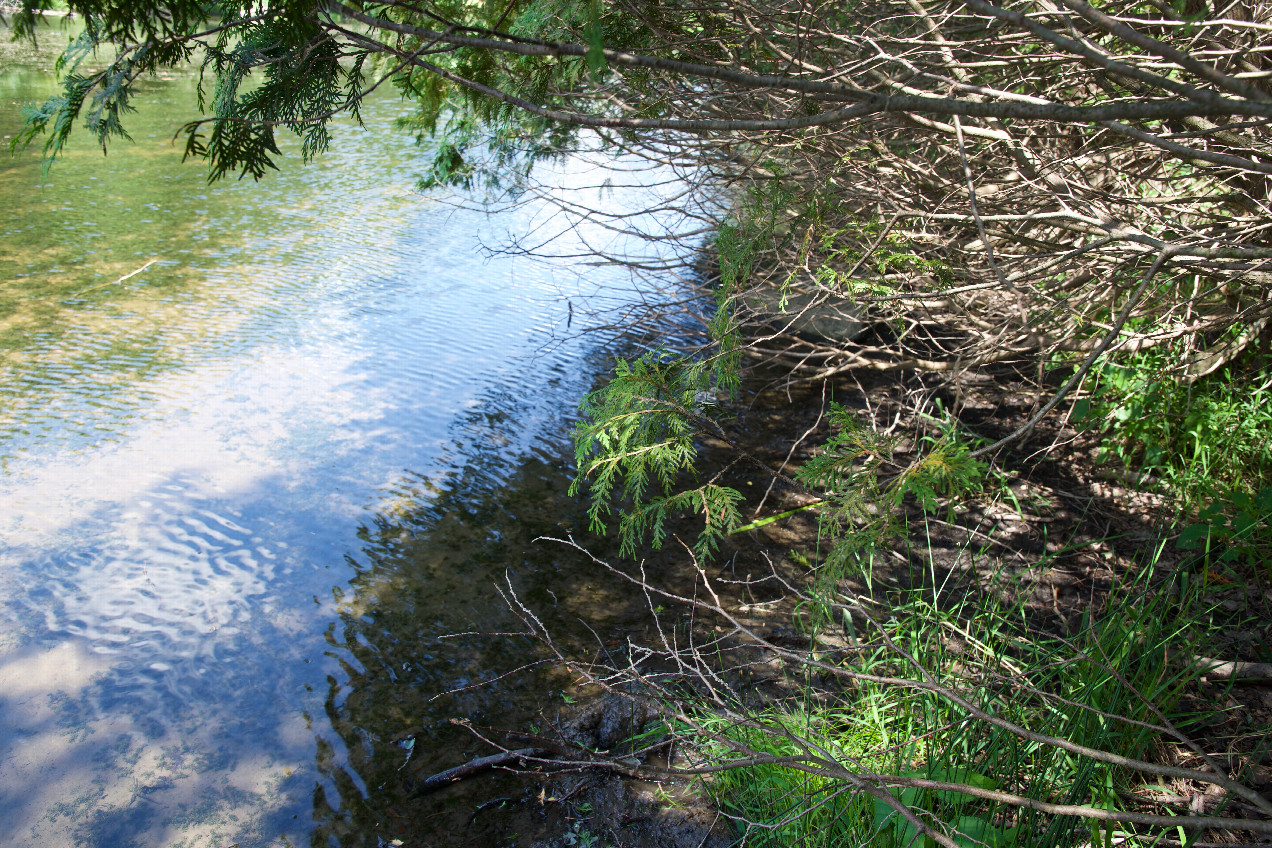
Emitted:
<point x="114" y="282"/>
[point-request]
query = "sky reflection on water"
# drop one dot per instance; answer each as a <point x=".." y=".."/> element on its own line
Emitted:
<point x="203" y="467"/>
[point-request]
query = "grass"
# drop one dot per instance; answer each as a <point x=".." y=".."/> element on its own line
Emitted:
<point x="1208" y="442"/>
<point x="1210" y="437"/>
<point x="1113" y="686"/>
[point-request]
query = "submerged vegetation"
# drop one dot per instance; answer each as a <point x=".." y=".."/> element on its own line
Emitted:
<point x="1045" y="225"/>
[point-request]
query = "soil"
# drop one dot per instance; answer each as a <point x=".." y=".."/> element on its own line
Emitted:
<point x="1067" y="530"/>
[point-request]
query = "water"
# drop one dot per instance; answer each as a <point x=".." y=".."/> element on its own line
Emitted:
<point x="246" y="491"/>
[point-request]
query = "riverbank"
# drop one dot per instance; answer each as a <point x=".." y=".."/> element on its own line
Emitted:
<point x="14" y="8"/>
<point x="1061" y="540"/>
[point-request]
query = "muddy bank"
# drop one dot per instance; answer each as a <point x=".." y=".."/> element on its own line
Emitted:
<point x="1062" y="531"/>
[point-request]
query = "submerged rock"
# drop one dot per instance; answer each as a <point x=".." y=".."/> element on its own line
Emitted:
<point x="816" y="313"/>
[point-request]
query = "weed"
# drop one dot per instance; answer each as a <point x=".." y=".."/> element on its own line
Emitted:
<point x="1204" y="438"/>
<point x="1209" y="442"/>
<point x="1233" y="528"/>
<point x="1111" y="687"/>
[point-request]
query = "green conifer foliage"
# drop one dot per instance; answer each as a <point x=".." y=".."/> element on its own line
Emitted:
<point x="636" y="444"/>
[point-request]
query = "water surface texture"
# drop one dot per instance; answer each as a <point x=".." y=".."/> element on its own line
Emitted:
<point x="245" y="490"/>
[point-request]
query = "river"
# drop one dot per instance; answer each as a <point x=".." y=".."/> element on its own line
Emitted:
<point x="246" y="490"/>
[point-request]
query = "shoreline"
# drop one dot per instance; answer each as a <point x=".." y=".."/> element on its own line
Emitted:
<point x="1106" y="528"/>
<point x="10" y="9"/>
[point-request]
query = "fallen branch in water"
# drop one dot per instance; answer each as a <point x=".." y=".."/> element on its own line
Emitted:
<point x="502" y="759"/>
<point x="569" y="757"/>
<point x="127" y="276"/>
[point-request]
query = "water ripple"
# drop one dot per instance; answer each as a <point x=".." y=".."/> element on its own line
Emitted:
<point x="195" y="461"/>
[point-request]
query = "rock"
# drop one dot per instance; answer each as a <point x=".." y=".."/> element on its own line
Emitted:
<point x="621" y="718"/>
<point x="819" y="315"/>
<point x="607" y="723"/>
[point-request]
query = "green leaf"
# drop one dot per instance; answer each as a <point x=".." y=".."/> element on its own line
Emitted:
<point x="1193" y="535"/>
<point x="976" y="832"/>
<point x="636" y="451"/>
<point x="885" y="816"/>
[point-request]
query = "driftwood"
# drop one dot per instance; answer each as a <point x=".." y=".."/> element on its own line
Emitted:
<point x="482" y="764"/>
<point x="569" y="757"/>
<point x="1248" y="672"/>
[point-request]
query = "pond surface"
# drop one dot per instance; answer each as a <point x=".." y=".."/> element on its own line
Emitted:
<point x="261" y="446"/>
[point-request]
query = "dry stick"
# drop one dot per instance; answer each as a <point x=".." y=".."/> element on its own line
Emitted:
<point x="868" y="103"/>
<point x="127" y="276"/>
<point x="577" y="758"/>
<point x="482" y="764"/>
<point x="1126" y="33"/>
<point x="1186" y="152"/>
<point x="1064" y="809"/>
<point x="1092" y="54"/>
<point x="543" y="749"/>
<point x="1248" y="672"/>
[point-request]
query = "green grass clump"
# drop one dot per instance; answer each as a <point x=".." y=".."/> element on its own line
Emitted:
<point x="1212" y="435"/>
<point x="1209" y="442"/>
<point x="1114" y="686"/>
<point x="780" y="805"/>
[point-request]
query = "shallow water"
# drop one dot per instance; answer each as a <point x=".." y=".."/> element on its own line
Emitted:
<point x="245" y="492"/>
